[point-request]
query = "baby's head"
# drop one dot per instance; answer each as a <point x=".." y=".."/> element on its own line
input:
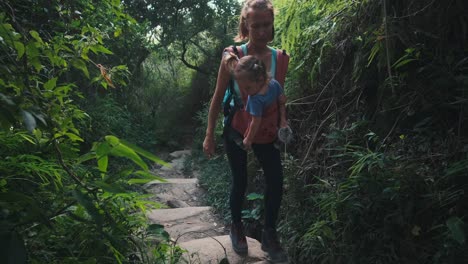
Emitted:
<point x="250" y="72"/>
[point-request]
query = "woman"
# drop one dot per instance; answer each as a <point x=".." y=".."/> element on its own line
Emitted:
<point x="255" y="26"/>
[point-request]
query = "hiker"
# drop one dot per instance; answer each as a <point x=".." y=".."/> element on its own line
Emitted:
<point x="255" y="27"/>
<point x="266" y="100"/>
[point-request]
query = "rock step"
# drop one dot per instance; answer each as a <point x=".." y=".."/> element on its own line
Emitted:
<point x="212" y="250"/>
<point x="176" y="192"/>
<point x="188" y="223"/>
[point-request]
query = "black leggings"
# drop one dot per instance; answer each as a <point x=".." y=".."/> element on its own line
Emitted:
<point x="270" y="160"/>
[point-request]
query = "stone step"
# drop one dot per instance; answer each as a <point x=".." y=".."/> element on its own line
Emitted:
<point x="212" y="250"/>
<point x="176" y="192"/>
<point x="184" y="224"/>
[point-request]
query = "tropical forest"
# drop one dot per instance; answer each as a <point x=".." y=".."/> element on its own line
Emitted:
<point x="93" y="94"/>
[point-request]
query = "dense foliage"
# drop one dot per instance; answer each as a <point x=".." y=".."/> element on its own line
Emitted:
<point x="379" y="104"/>
<point x="71" y="86"/>
<point x="60" y="204"/>
<point x="377" y="99"/>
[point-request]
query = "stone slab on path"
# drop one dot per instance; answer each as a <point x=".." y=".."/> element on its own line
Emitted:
<point x="176" y="192"/>
<point x="210" y="250"/>
<point x="188" y="223"/>
<point x="193" y="226"/>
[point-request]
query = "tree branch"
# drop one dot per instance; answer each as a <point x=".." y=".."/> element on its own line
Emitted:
<point x="193" y="67"/>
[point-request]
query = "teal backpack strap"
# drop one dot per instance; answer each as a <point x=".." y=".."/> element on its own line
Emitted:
<point x="274" y="56"/>
<point x="273" y="62"/>
<point x="244" y="49"/>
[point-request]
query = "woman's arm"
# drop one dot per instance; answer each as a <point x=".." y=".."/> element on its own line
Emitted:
<point x="282" y="111"/>
<point x="215" y="108"/>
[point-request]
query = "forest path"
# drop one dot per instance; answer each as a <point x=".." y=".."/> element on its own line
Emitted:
<point x="191" y="224"/>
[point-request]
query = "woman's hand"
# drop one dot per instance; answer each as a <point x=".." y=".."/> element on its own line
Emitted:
<point x="247" y="143"/>
<point x="209" y="146"/>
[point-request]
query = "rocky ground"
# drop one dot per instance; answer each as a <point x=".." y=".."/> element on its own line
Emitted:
<point x="190" y="223"/>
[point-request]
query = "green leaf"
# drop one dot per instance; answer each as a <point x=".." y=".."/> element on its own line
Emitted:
<point x="74" y="137"/>
<point x="51" y="83"/>
<point x="455" y="226"/>
<point x="36" y="36"/>
<point x="33" y="56"/>
<point x="86" y="157"/>
<point x="103" y="162"/>
<point x="139" y="181"/>
<point x="102" y="149"/>
<point x="113" y="141"/>
<point x="145" y="153"/>
<point x="81" y="65"/>
<point x="254" y="196"/>
<point x="120" y="150"/>
<point x="29" y="121"/>
<point x="109" y="188"/>
<point x="158" y="231"/>
<point x="99" y="48"/>
<point x="117" y="32"/>
<point x="19" y="49"/>
<point x="149" y="175"/>
<point x="88" y="204"/>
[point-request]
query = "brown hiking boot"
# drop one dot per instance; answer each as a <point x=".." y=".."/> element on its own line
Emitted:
<point x="272" y="246"/>
<point x="238" y="239"/>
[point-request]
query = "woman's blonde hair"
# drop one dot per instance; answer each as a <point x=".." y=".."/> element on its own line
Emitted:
<point x="258" y="5"/>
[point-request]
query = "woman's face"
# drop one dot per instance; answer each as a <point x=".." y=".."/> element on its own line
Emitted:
<point x="259" y="24"/>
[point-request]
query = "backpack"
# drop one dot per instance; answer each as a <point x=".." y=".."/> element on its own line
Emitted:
<point x="232" y="98"/>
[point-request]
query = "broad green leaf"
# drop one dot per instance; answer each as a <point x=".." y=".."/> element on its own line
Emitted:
<point x="86" y="157"/>
<point x="81" y="65"/>
<point x="19" y="49"/>
<point x="109" y="188"/>
<point x="254" y="196"/>
<point x="84" y="53"/>
<point x="74" y="137"/>
<point x="88" y="204"/>
<point x="158" y="230"/>
<point x="124" y="151"/>
<point x="28" y="138"/>
<point x="99" y="48"/>
<point x="102" y="149"/>
<point x="36" y="36"/>
<point x="33" y="55"/>
<point x="6" y="100"/>
<point x="51" y="83"/>
<point x="40" y="117"/>
<point x="149" y="175"/>
<point x="103" y="162"/>
<point x="121" y="150"/>
<point x="139" y="181"/>
<point x="112" y="140"/>
<point x="117" y="32"/>
<point x="29" y="120"/>
<point x="402" y="63"/>
<point x="455" y="226"/>
<point x="145" y="153"/>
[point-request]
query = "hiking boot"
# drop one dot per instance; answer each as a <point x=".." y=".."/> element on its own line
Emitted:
<point x="272" y="246"/>
<point x="238" y="239"/>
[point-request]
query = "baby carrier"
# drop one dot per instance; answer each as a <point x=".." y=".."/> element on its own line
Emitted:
<point x="232" y="101"/>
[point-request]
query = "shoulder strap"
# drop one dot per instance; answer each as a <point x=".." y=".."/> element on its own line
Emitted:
<point x="244" y="48"/>
<point x="233" y="88"/>
<point x="282" y="66"/>
<point x="273" y="62"/>
<point x="279" y="63"/>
